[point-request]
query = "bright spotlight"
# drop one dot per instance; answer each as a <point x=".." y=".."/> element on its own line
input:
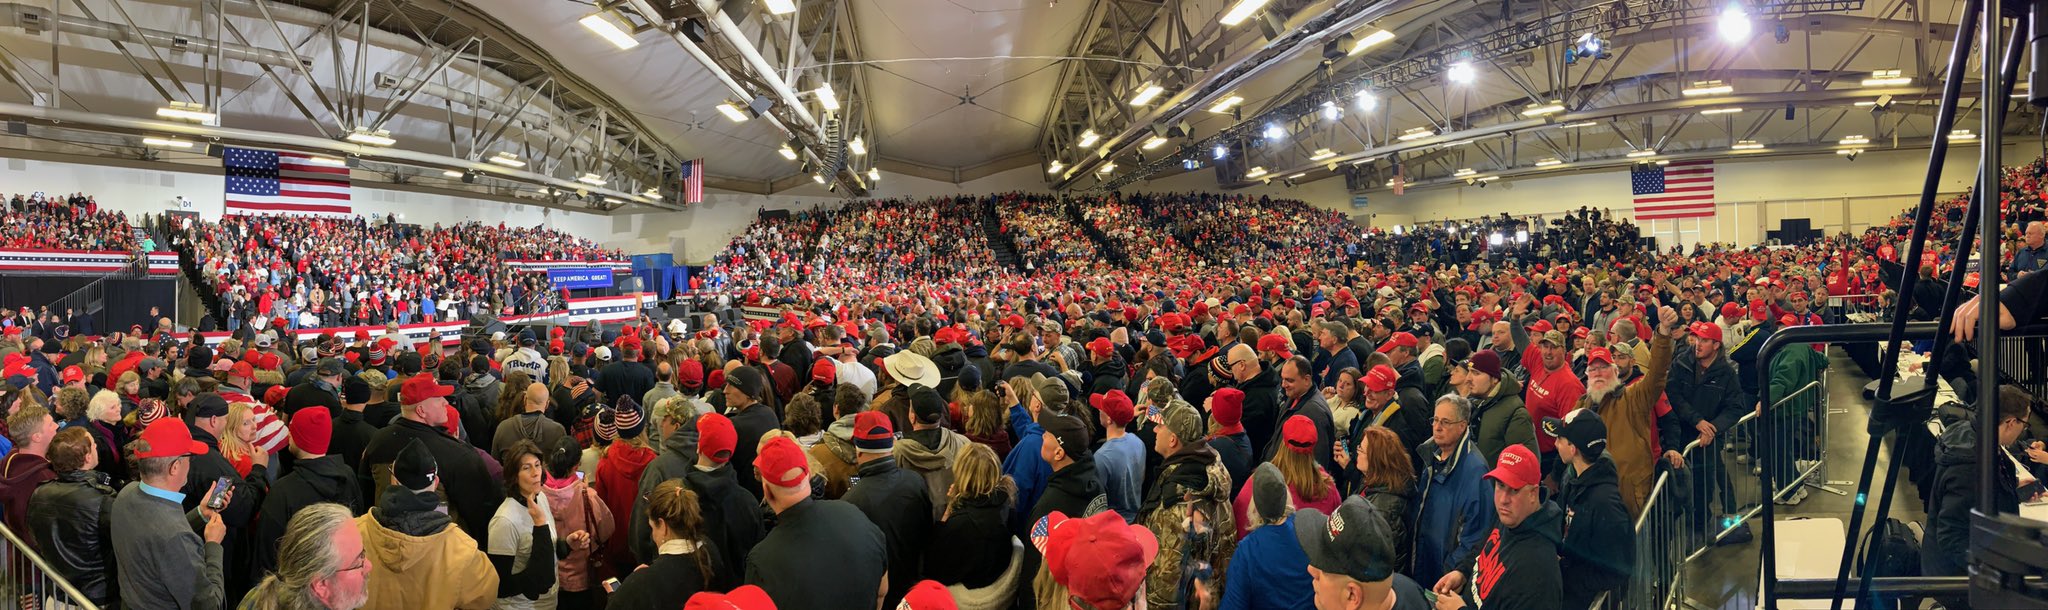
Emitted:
<point x="1088" y="138"/>
<point x="1220" y="152"/>
<point x="1734" y="23"/>
<point x="1522" y="236"/>
<point x="1462" y="73"/>
<point x="1367" y="102"/>
<point x="857" y="146"/>
<point x="609" y="28"/>
<point x="1331" y="111"/>
<point x="1055" y="167"/>
<point x="1495" y="239"/>
<point x="1155" y="142"/>
<point x="1275" y="132"/>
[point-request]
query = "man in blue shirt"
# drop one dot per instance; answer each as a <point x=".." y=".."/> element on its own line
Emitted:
<point x="1120" y="462"/>
<point x="2032" y="255"/>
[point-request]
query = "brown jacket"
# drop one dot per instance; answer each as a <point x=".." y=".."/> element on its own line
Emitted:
<point x="444" y="570"/>
<point x="1631" y="415"/>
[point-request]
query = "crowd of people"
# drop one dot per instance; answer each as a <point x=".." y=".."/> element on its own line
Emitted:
<point x="1146" y="244"/>
<point x="304" y="272"/>
<point x="1046" y="240"/>
<point x="1323" y="416"/>
<point x="40" y="221"/>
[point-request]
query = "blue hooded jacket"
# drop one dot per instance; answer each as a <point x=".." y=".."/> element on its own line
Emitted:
<point x="1454" y="512"/>
<point x="1269" y="571"/>
<point x="1025" y="466"/>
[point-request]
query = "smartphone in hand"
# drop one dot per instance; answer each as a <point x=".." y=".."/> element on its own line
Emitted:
<point x="218" y="499"/>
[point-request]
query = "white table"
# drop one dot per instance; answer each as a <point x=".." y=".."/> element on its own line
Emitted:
<point x="1808" y="548"/>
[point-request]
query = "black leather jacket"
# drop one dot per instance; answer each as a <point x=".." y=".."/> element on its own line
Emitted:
<point x="70" y="519"/>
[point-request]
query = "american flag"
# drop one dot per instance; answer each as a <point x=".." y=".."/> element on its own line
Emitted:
<point x="1683" y="189"/>
<point x="693" y="181"/>
<point x="283" y="183"/>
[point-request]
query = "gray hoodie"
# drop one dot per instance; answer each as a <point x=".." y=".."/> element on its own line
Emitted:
<point x="931" y="453"/>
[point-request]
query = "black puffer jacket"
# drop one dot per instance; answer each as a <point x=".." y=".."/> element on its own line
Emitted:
<point x="1262" y="404"/>
<point x="1599" y="538"/>
<point x="1107" y="375"/>
<point x="728" y="510"/>
<point x="895" y="499"/>
<point x="1954" y="495"/>
<point x="71" y="518"/>
<point x="1714" y="395"/>
<point x="950" y="361"/>
<point x="323" y="479"/>
<point x="1394" y="507"/>
<point x="962" y="548"/>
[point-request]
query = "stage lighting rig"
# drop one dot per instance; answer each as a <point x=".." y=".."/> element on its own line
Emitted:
<point x="1589" y="46"/>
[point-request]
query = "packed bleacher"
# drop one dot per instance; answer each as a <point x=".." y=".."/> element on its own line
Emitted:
<point x="1322" y="411"/>
<point x="71" y="222"/>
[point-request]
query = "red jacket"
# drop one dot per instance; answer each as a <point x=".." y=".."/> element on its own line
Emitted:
<point x="618" y="485"/>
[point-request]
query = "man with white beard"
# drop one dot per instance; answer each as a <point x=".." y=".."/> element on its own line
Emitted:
<point x="1630" y="410"/>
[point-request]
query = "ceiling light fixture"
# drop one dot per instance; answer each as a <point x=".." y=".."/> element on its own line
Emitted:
<point x="373" y="138"/>
<point x="507" y="159"/>
<point x="607" y="26"/>
<point x="451" y="173"/>
<point x="1225" y="104"/>
<point x="1154" y="142"/>
<point x="1747" y="145"/>
<point x="1849" y="151"/>
<point x="1715" y="111"/>
<point x="1707" y="87"/>
<point x="858" y="147"/>
<point x="1578" y="124"/>
<point x="1463" y="172"/>
<point x="1146" y="92"/>
<point x="1055" y="167"/>
<point x="1553" y="107"/>
<point x="1088" y="139"/>
<point x="1367" y="101"/>
<point x="591" y="179"/>
<point x="166" y="143"/>
<point x="1255" y="172"/>
<point x="827" y="98"/>
<point x="327" y="161"/>
<point x="188" y="111"/>
<point x="1734" y="23"/>
<point x="1107" y="168"/>
<point x="1548" y="161"/>
<point x="731" y="110"/>
<point x="1243" y="10"/>
<point x="1274" y="131"/>
<point x="818" y="178"/>
<point x="874" y="175"/>
<point x="781" y="7"/>
<point x="1416" y="134"/>
<point x="1330" y="110"/>
<point x="1521" y="236"/>
<point x="1219" y="152"/>
<point x="1321" y="154"/>
<point x="1462" y="73"/>
<point x="1961" y="135"/>
<point x="1855" y="140"/>
<point x="787" y="152"/>
<point x="1887" y="78"/>
<point x="1647" y="152"/>
<point x="1370" y="40"/>
<point x="1872" y="103"/>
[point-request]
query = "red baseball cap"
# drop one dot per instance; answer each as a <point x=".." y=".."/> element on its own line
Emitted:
<point x="1101" y="559"/>
<point x="1541" y="326"/>
<point x="1758" y="311"/>
<point x="1013" y="321"/>
<point x="716" y="438"/>
<point x="419" y="388"/>
<point x="1599" y="354"/>
<point x="167" y="437"/>
<point x="1116" y="405"/>
<point x="71" y="374"/>
<point x="824" y="371"/>
<point x="1581" y="333"/>
<point x="1299" y="433"/>
<point x="1517" y="467"/>
<point x="1401" y="339"/>
<point x="275" y="395"/>
<point x="929" y="595"/>
<point x="243" y="369"/>
<point x="1101" y="347"/>
<point x="1381" y="378"/>
<point x="1731" y="309"/>
<point x="1788" y="320"/>
<point x="747" y="597"/>
<point x="1706" y="330"/>
<point x="1276" y="343"/>
<point x="782" y="463"/>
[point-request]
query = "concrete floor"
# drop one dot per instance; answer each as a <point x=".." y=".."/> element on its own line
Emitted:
<point x="1726" y="577"/>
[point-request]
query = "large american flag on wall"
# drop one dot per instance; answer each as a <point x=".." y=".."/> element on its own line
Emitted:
<point x="284" y="183"/>
<point x="1683" y="189"/>
<point x="692" y="174"/>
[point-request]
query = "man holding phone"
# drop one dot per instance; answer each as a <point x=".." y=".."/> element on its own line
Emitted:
<point x="164" y="562"/>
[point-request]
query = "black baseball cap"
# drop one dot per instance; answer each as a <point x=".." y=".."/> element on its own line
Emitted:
<point x="1069" y="431"/>
<point x="206" y="404"/>
<point x="1582" y="427"/>
<point x="1355" y="541"/>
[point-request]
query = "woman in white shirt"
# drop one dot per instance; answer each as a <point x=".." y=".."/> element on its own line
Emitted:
<point x="520" y="546"/>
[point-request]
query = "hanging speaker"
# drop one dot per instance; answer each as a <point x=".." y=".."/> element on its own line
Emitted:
<point x="1788" y="112"/>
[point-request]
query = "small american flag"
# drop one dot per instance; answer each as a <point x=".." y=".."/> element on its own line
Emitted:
<point x="1683" y="189"/>
<point x="283" y="183"/>
<point x="1040" y="531"/>
<point x="693" y="181"/>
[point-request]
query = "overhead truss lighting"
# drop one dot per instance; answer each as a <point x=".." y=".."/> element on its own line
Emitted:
<point x="1855" y="140"/>
<point x="1544" y="109"/>
<point x="1254" y="172"/>
<point x="1707" y="87"/>
<point x="1088" y="138"/>
<point x="1154" y="142"/>
<point x="1961" y="135"/>
<point x="1055" y="167"/>
<point x="1734" y="23"/>
<point x="1298" y="175"/>
<point x="1416" y="134"/>
<point x="1715" y="111"/>
<point x="1463" y="172"/>
<point x="1370" y="40"/>
<point x="167" y="143"/>
<point x="1367" y="101"/>
<point x="857" y="146"/>
<point x="1331" y="111"/>
<point x="818" y="178"/>
<point x="874" y="175"/>
<point x="826" y="98"/>
<point x="507" y="159"/>
<point x="1107" y="168"/>
<point x="787" y="152"/>
<point x="372" y="138"/>
<point x="1321" y="154"/>
<point x="1647" y="152"/>
<point x="1241" y="11"/>
<point x="1146" y="92"/>
<point x="1223" y="106"/>
<point x="451" y="173"/>
<point x="1747" y="145"/>
<point x="1578" y="124"/>
<point x="1462" y="73"/>
<point x="188" y="111"/>
<point x="781" y="7"/>
<point x="591" y="179"/>
<point x="328" y="161"/>
<point x="1887" y="78"/>
<point x="1548" y="161"/>
<point x="1274" y="131"/>
<point x="731" y="110"/>
<point x="609" y="27"/>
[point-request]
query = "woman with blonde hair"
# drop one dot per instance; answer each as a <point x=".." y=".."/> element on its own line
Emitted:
<point x="558" y="373"/>
<point x="971" y="546"/>
<point x="987" y="422"/>
<point x="238" y="440"/>
<point x="1309" y="485"/>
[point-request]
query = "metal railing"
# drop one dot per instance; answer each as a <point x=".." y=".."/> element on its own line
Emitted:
<point x="30" y="583"/>
<point x="1854" y="308"/>
<point x="1692" y="509"/>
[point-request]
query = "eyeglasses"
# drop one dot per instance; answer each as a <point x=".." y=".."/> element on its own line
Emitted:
<point x="1438" y="421"/>
<point x="362" y="561"/>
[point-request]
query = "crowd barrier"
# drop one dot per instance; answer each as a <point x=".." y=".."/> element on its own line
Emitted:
<point x="601" y="309"/>
<point x="30" y="583"/>
<point x="1853" y="308"/>
<point x="1692" y="509"/>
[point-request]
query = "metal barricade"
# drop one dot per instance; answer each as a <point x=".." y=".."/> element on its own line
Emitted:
<point x="30" y="583"/>
<point x="1689" y="510"/>
<point x="1853" y="308"/>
